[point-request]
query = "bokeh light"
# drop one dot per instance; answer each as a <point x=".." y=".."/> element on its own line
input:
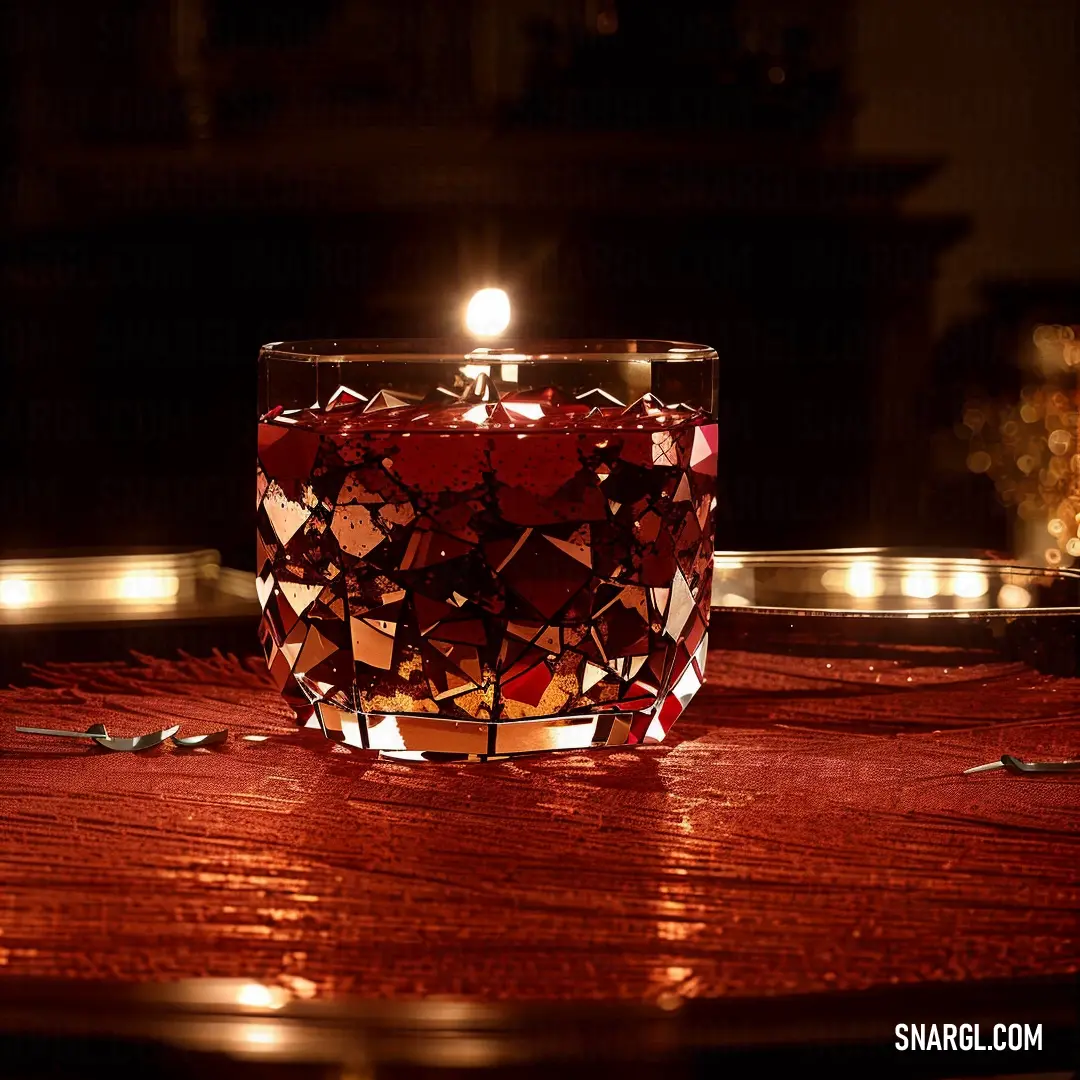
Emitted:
<point x="920" y="584"/>
<point x="147" y="586"/>
<point x="970" y="585"/>
<point x="1028" y="447"/>
<point x="16" y="592"/>
<point x="862" y="580"/>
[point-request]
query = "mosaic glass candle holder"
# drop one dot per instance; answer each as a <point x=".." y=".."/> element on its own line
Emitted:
<point x="471" y="553"/>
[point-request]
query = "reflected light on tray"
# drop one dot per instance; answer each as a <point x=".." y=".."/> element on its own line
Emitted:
<point x="862" y="581"/>
<point x="920" y="585"/>
<point x="16" y="592"/>
<point x="147" y="586"/>
<point x="104" y="579"/>
<point x="82" y="589"/>
<point x="1013" y="597"/>
<point x="261" y="1035"/>
<point x="259" y="996"/>
<point x="891" y="605"/>
<point x="884" y="581"/>
<point x="970" y="585"/>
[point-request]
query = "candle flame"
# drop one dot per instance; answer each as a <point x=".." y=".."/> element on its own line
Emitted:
<point x="488" y="313"/>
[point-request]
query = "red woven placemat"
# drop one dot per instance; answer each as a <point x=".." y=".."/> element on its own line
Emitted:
<point x="805" y="828"/>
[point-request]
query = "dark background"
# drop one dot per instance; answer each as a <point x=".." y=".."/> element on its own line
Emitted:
<point x="864" y="206"/>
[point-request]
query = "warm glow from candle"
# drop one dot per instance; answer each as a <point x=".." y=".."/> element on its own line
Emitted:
<point x="258" y="996"/>
<point x="920" y="584"/>
<point x="1013" y="596"/>
<point x="862" y="582"/>
<point x="970" y="585"/>
<point x="16" y="592"/>
<point x="147" y="586"/>
<point x="488" y="313"/>
<point x="261" y="1035"/>
<point x="44" y="587"/>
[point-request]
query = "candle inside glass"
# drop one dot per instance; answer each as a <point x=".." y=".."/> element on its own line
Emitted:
<point x="473" y="566"/>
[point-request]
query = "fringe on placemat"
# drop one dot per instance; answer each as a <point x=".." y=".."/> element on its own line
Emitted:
<point x="145" y="674"/>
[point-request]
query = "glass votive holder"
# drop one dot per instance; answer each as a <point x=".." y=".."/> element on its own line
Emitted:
<point x="468" y="553"/>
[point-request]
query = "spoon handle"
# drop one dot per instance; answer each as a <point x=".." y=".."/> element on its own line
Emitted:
<point x="1011" y="762"/>
<point x="60" y="734"/>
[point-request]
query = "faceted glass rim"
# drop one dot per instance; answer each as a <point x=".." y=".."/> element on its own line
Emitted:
<point x="460" y="350"/>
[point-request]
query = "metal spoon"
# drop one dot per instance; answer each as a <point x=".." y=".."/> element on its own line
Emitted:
<point x="1015" y="765"/>
<point x="98" y="733"/>
<point x="140" y="742"/>
<point x="211" y="739"/>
